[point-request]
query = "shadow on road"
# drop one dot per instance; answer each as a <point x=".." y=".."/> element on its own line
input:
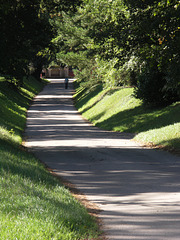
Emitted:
<point x="137" y="188"/>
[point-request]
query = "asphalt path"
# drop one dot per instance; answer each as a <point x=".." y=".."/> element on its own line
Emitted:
<point x="137" y="188"/>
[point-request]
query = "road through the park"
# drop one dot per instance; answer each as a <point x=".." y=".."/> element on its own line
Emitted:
<point x="136" y="188"/>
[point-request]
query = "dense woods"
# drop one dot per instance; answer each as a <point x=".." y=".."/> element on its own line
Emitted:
<point x="26" y="34"/>
<point x="115" y="43"/>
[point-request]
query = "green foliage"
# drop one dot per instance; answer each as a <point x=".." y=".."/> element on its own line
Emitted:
<point x="105" y="41"/>
<point x="158" y="53"/>
<point x="113" y="42"/>
<point x="76" y="60"/>
<point x="79" y="50"/>
<point x="25" y="31"/>
<point x="152" y="88"/>
<point x="124" y="38"/>
<point x="26" y="34"/>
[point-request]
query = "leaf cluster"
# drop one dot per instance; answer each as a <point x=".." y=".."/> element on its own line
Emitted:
<point x="117" y="42"/>
<point x="26" y="33"/>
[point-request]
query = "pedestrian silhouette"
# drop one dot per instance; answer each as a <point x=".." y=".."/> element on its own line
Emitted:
<point x="66" y="83"/>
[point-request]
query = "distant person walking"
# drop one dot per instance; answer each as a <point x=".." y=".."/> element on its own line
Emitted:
<point x="66" y="83"/>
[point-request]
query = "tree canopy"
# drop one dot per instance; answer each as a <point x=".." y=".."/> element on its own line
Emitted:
<point x="116" y="42"/>
<point x="125" y="42"/>
<point x="26" y="33"/>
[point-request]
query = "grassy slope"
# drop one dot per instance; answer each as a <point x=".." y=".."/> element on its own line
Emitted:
<point x="34" y="205"/>
<point x="118" y="110"/>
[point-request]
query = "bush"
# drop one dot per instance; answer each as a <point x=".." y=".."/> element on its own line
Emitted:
<point x="152" y="88"/>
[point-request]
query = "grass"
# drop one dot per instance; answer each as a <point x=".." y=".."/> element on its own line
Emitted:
<point x="117" y="110"/>
<point x="34" y="204"/>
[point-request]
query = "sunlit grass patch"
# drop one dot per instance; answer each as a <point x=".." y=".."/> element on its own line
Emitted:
<point x="117" y="110"/>
<point x="168" y="136"/>
<point x="9" y="136"/>
<point x="34" y="204"/>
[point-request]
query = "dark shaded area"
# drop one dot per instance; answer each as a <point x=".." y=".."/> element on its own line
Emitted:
<point x="15" y="102"/>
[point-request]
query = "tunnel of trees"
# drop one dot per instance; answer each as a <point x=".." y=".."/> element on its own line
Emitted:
<point x="113" y="43"/>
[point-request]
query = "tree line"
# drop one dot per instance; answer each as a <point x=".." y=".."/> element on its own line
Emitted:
<point x="26" y="35"/>
<point x="115" y="43"/>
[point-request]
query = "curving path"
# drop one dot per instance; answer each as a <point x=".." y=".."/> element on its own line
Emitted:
<point x="137" y="189"/>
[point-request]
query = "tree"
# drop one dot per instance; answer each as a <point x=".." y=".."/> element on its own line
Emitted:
<point x="124" y="42"/>
<point x="78" y="46"/>
<point x="155" y="40"/>
<point x="147" y="31"/>
<point x="26" y="33"/>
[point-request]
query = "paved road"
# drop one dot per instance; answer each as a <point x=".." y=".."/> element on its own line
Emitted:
<point x="138" y="189"/>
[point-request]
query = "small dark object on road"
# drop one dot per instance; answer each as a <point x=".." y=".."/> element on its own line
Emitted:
<point x="66" y="83"/>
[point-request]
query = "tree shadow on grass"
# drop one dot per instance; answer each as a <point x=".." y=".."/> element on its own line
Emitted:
<point x="173" y="145"/>
<point x="86" y="97"/>
<point x="13" y="105"/>
<point x="94" y="93"/>
<point x="139" y="119"/>
<point x="32" y="179"/>
<point x="19" y="162"/>
<point x="14" y="95"/>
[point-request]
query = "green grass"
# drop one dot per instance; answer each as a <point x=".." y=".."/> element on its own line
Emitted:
<point x="34" y="204"/>
<point x="117" y="110"/>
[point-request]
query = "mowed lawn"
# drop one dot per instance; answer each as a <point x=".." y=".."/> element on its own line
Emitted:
<point x="118" y="110"/>
<point x="34" y="204"/>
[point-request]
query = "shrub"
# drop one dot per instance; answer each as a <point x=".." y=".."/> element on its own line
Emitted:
<point x="153" y="88"/>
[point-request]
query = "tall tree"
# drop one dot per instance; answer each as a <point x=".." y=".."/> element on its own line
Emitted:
<point x="26" y="31"/>
<point x="147" y="32"/>
<point x="155" y="40"/>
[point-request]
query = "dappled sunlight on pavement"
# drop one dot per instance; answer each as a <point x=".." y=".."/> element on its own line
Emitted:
<point x="137" y="188"/>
